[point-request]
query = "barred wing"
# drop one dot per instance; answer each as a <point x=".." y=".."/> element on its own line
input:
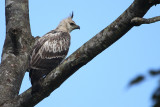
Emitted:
<point x="50" y="50"/>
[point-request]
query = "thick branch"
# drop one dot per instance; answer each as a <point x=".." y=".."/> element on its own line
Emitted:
<point x="16" y="48"/>
<point x="137" y="21"/>
<point x="84" y="54"/>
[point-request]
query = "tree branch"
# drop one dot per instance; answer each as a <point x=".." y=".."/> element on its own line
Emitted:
<point x="17" y="45"/>
<point x="137" y="21"/>
<point x="19" y="41"/>
<point x="84" y="54"/>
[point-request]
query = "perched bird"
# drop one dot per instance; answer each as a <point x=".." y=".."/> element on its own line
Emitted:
<point x="50" y="50"/>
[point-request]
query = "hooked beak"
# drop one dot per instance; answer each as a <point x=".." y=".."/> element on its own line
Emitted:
<point x="77" y="27"/>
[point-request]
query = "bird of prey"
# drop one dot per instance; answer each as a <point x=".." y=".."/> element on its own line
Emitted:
<point x="50" y="50"/>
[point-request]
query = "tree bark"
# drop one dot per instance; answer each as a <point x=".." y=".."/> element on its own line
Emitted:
<point x="137" y="21"/>
<point x="19" y="41"/>
<point x="17" y="45"/>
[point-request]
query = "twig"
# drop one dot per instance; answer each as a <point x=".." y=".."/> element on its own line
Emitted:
<point x="137" y="21"/>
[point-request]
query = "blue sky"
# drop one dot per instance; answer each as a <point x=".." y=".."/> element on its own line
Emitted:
<point x="103" y="81"/>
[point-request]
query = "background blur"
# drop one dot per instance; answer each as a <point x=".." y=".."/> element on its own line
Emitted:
<point x="103" y="82"/>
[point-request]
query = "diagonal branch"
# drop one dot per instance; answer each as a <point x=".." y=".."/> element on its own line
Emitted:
<point x="84" y="54"/>
<point x="137" y="21"/>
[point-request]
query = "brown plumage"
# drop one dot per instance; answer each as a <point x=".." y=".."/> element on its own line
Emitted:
<point x="50" y="50"/>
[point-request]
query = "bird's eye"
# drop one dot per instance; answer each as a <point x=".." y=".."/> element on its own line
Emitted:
<point x="72" y="24"/>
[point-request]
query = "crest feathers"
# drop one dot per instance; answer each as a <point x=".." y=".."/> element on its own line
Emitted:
<point x="72" y="15"/>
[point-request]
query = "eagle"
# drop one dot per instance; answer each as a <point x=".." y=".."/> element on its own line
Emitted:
<point x="50" y="50"/>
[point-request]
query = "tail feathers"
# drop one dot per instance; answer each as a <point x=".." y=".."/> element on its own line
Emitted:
<point x="35" y="80"/>
<point x="36" y="87"/>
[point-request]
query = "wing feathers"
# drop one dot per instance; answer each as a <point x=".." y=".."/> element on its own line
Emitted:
<point x="50" y="49"/>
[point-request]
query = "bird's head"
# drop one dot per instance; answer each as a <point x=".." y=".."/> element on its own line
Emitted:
<point x="68" y="24"/>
